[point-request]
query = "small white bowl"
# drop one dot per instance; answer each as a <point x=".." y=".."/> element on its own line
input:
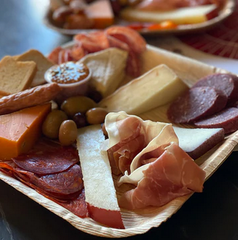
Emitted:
<point x="57" y="73"/>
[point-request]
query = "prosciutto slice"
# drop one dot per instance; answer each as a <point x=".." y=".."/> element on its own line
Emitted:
<point x="160" y="171"/>
<point x="116" y="36"/>
<point x="171" y="175"/>
<point x="128" y="136"/>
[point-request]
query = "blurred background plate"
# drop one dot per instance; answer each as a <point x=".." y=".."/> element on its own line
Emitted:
<point x="225" y="12"/>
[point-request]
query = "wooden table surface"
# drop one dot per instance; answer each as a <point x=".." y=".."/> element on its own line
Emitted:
<point x="211" y="215"/>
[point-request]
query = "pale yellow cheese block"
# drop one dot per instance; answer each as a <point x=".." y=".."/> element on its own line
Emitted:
<point x="97" y="177"/>
<point x="146" y="92"/>
<point x="108" y="69"/>
<point x="188" y="15"/>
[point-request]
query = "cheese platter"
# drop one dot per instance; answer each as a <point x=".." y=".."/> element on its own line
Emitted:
<point x="141" y="220"/>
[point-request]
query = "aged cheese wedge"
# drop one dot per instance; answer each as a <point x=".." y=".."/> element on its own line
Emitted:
<point x="197" y="141"/>
<point x="107" y="69"/>
<point x="146" y="92"/>
<point x="20" y="130"/>
<point x="188" y="15"/>
<point x="100" y="193"/>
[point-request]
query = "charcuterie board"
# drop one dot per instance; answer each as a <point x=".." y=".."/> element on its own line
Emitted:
<point x="225" y="12"/>
<point x="140" y="221"/>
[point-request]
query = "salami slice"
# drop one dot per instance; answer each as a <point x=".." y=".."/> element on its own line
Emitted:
<point x="226" y="119"/>
<point x="63" y="186"/>
<point x="47" y="157"/>
<point x="77" y="206"/>
<point x="227" y="83"/>
<point x="195" y="104"/>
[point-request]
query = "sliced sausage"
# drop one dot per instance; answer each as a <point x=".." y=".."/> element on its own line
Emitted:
<point x="195" y="104"/>
<point x="227" y="83"/>
<point x="226" y="119"/>
<point x="47" y="157"/>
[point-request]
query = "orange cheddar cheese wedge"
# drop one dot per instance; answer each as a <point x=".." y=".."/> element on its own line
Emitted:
<point x="20" y="130"/>
<point x="101" y="13"/>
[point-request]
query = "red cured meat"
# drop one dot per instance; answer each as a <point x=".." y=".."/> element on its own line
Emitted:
<point x="226" y="119"/>
<point x="122" y="154"/>
<point x="133" y="67"/>
<point x="135" y="42"/>
<point x="92" y="42"/>
<point x="116" y="36"/>
<point x="171" y="175"/>
<point x="65" y="56"/>
<point x="114" y="42"/>
<point x="47" y="157"/>
<point x="77" y="52"/>
<point x="77" y="206"/>
<point x="62" y="184"/>
<point x="64" y="187"/>
<point x="227" y="83"/>
<point x="54" y="55"/>
<point x="131" y="143"/>
<point x="196" y="103"/>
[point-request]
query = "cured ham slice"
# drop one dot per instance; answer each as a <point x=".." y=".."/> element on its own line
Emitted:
<point x="160" y="171"/>
<point x="129" y="136"/>
<point x="116" y="36"/>
<point x="171" y="175"/>
<point x="135" y="42"/>
<point x="93" y="42"/>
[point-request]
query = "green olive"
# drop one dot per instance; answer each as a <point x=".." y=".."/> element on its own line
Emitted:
<point x="51" y="125"/>
<point x="67" y="132"/>
<point x="96" y="115"/>
<point x="76" y="104"/>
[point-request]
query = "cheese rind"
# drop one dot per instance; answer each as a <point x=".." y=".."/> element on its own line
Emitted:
<point x="197" y="141"/>
<point x="146" y="92"/>
<point x="20" y="130"/>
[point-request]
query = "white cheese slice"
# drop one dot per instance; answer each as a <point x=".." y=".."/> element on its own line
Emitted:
<point x="155" y="88"/>
<point x="187" y="15"/>
<point x="98" y="183"/>
<point x="197" y="141"/>
<point x="108" y="69"/>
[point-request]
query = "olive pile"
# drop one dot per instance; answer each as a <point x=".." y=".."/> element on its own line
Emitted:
<point x="75" y="112"/>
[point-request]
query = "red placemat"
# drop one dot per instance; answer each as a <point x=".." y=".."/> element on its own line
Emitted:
<point x="220" y="41"/>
